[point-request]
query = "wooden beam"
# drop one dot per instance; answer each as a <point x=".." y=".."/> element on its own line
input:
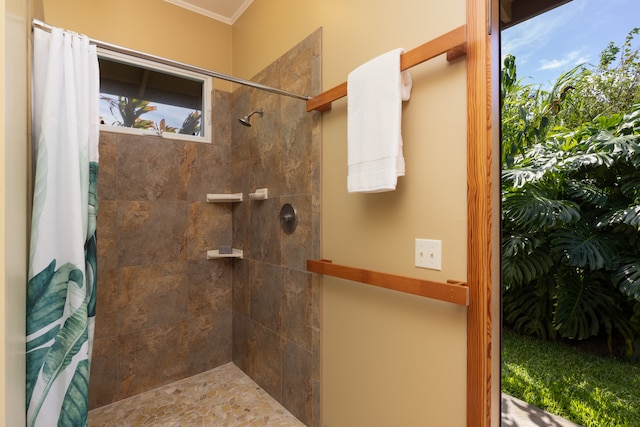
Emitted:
<point x="452" y="291"/>
<point x="482" y="54"/>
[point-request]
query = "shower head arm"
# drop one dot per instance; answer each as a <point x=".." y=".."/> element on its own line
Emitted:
<point x="246" y="120"/>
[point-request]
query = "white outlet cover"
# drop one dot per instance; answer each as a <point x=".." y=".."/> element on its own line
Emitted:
<point x="428" y="254"/>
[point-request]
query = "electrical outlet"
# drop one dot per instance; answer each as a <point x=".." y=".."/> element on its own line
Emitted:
<point x="428" y="254"/>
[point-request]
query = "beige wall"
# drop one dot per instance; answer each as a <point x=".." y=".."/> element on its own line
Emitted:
<point x="13" y="216"/>
<point x="150" y="26"/>
<point x="388" y="359"/>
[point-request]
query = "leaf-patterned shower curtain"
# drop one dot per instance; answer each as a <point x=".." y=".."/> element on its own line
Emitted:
<point x="61" y="298"/>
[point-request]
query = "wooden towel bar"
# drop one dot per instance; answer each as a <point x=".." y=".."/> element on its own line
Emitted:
<point x="454" y="43"/>
<point x="452" y="291"/>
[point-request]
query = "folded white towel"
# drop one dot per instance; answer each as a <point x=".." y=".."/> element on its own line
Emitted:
<point x="375" y="91"/>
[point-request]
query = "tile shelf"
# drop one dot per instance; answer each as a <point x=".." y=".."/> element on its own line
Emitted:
<point x="224" y="198"/>
<point x="215" y="254"/>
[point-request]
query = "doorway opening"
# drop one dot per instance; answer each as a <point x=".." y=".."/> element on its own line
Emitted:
<point x="570" y="212"/>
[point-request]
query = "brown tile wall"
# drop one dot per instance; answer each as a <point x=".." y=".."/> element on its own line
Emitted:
<point x="164" y="310"/>
<point x="276" y="302"/>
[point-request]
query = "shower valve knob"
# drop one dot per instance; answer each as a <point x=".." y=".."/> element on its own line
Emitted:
<point x="288" y="219"/>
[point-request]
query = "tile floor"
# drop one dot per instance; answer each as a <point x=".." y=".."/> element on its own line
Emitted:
<point x="227" y="397"/>
<point x="221" y="397"/>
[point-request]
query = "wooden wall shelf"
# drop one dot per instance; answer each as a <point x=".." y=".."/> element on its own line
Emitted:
<point x="452" y="291"/>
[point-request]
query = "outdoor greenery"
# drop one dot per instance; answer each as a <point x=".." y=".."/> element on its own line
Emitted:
<point x="586" y="389"/>
<point x="571" y="202"/>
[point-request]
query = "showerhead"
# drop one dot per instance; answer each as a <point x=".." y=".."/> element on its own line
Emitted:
<point x="246" y="119"/>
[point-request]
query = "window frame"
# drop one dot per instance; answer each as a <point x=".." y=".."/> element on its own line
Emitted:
<point x="207" y="93"/>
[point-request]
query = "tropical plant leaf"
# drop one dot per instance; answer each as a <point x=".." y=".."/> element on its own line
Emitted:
<point x="519" y="177"/>
<point x="587" y="191"/>
<point x="583" y="248"/>
<point x="41" y="297"/>
<point x="35" y="358"/>
<point x="75" y="407"/>
<point x="91" y="269"/>
<point x="627" y="278"/>
<point x="516" y="244"/>
<point x="618" y="146"/>
<point x="525" y="267"/>
<point x="582" y="160"/>
<point x="630" y="185"/>
<point x="533" y="211"/>
<point x="68" y="343"/>
<point x="51" y="346"/>
<point x="530" y="309"/>
<point x="46" y="294"/>
<point x="630" y="123"/>
<point x="91" y="245"/>
<point x="629" y="215"/>
<point x="581" y="307"/>
<point x="71" y="337"/>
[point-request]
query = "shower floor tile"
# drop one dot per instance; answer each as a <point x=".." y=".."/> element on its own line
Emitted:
<point x="221" y="397"/>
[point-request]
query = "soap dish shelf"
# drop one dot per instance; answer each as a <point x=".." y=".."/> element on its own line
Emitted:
<point x="224" y="198"/>
<point x="215" y="254"/>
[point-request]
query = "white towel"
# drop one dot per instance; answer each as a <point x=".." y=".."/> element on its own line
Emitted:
<point x="375" y="91"/>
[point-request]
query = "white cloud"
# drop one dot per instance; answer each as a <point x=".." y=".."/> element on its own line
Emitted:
<point x="571" y="59"/>
<point x="525" y="35"/>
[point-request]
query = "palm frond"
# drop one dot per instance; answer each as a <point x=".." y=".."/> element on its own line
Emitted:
<point x="191" y="124"/>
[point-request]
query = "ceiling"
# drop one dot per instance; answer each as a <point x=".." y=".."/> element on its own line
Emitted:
<point x="512" y="12"/>
<point x="226" y="11"/>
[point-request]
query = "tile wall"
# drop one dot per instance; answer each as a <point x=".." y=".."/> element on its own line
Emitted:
<point x="164" y="310"/>
<point x="276" y="302"/>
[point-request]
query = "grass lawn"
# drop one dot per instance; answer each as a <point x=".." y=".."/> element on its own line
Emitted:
<point x="589" y="390"/>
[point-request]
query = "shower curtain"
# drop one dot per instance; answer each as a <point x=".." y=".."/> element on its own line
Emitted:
<point x="61" y="299"/>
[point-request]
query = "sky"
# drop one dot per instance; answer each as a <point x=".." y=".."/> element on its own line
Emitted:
<point x="569" y="35"/>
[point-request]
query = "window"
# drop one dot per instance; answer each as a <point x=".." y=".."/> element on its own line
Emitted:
<point x="142" y="97"/>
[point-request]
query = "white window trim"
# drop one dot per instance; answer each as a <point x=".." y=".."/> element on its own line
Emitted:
<point x="207" y="90"/>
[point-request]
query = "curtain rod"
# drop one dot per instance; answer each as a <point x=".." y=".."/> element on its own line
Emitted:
<point x="119" y="49"/>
